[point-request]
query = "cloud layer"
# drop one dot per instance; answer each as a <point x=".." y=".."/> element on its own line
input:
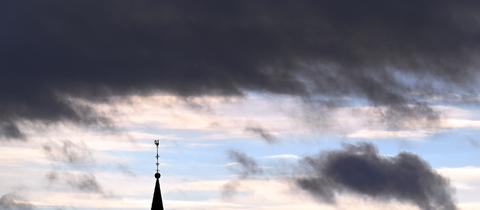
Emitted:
<point x="396" y="54"/>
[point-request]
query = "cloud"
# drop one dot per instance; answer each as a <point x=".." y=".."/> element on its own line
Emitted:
<point x="390" y="54"/>
<point x="14" y="202"/>
<point x="401" y="134"/>
<point x="85" y="182"/>
<point x="283" y="157"/>
<point x="72" y="154"/>
<point x="68" y="152"/>
<point x="473" y="142"/>
<point x="360" y="169"/>
<point x="9" y="130"/>
<point x="247" y="167"/>
<point x="262" y="133"/>
<point x="126" y="170"/>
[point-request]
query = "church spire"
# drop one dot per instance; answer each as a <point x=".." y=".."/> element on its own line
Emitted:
<point x="157" y="203"/>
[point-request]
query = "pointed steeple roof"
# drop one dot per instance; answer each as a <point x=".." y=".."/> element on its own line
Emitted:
<point x="157" y="203"/>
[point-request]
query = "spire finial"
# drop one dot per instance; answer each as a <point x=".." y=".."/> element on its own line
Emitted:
<point x="157" y="142"/>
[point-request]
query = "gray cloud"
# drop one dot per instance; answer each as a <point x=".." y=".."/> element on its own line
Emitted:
<point x="474" y="142"/>
<point x="125" y="169"/>
<point x="230" y="189"/>
<point x="247" y="167"/>
<point x="262" y="133"/>
<point x="71" y="154"/>
<point x="85" y="182"/>
<point x="66" y="151"/>
<point x="12" y="201"/>
<point x="393" y="54"/>
<point x="360" y="169"/>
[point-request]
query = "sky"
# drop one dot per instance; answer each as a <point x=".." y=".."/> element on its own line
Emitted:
<point x="258" y="105"/>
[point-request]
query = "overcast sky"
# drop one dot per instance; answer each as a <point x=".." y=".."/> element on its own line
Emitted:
<point x="258" y="105"/>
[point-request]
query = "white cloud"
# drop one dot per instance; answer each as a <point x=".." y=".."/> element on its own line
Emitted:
<point x="227" y="117"/>
<point x="140" y="119"/>
<point x="465" y="179"/>
<point x="284" y="157"/>
<point x="380" y="134"/>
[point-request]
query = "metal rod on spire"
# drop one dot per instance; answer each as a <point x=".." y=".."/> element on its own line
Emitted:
<point x="157" y="142"/>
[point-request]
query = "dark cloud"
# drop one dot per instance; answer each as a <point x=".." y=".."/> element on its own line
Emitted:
<point x="12" y="201"/>
<point x="360" y="169"/>
<point x="393" y="54"/>
<point x="10" y="130"/>
<point x="262" y="133"/>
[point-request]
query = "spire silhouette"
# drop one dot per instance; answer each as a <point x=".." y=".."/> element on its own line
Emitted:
<point x="157" y="203"/>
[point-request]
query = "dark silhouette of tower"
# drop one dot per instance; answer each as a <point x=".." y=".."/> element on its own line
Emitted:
<point x="157" y="203"/>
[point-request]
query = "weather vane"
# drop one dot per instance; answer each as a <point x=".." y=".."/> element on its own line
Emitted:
<point x="157" y="175"/>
